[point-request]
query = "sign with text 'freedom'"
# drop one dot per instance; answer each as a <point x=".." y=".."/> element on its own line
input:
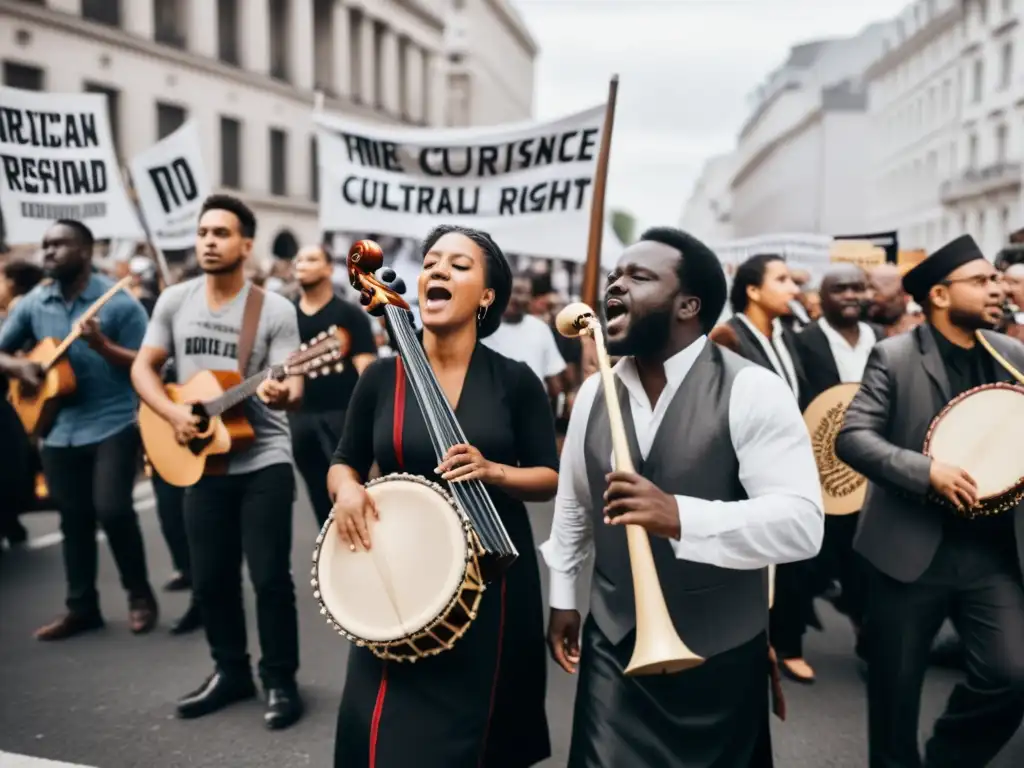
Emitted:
<point x="171" y="182"/>
<point x="528" y="185"/>
<point x="57" y="161"/>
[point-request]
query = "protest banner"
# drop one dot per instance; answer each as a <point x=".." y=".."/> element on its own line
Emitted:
<point x="57" y="161"/>
<point x="171" y="183"/>
<point x="529" y="185"/>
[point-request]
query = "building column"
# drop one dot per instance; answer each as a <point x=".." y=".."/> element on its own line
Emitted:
<point x="255" y="37"/>
<point x="138" y="19"/>
<point x="414" y="82"/>
<point x="342" y="70"/>
<point x="300" y="45"/>
<point x="74" y="7"/>
<point x="367" y="68"/>
<point x="389" y="72"/>
<point x="433" y="89"/>
<point x="203" y="30"/>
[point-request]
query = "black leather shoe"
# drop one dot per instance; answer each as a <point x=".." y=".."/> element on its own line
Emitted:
<point x="284" y="707"/>
<point x="189" y="622"/>
<point x="217" y="692"/>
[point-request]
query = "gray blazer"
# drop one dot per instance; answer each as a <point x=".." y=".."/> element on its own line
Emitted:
<point x="904" y="387"/>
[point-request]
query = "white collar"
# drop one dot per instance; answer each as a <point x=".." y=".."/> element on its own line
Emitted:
<point x="865" y="337"/>
<point x="776" y="326"/>
<point x="676" y="368"/>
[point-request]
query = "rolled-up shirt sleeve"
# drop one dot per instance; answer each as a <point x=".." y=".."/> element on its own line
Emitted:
<point x="782" y="520"/>
<point x="570" y="545"/>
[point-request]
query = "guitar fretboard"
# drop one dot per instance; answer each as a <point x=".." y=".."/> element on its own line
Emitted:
<point x="239" y="392"/>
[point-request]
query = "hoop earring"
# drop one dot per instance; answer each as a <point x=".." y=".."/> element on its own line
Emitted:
<point x="481" y="313"/>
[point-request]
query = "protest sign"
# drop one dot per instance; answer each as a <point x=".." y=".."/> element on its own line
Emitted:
<point x="529" y="185"/>
<point x="57" y="161"/>
<point x="171" y="182"/>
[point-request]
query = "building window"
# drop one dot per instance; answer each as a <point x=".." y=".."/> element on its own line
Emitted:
<point x="169" y="118"/>
<point x="230" y="153"/>
<point x="169" y="23"/>
<point x="947" y="93"/>
<point x="103" y="11"/>
<point x="314" y="171"/>
<point x="979" y="80"/>
<point x="1001" y="134"/>
<point x="279" y="30"/>
<point x="278" y="162"/>
<point x="355" y="52"/>
<point x="113" y="111"/>
<point x="23" y="76"/>
<point x="972" y="151"/>
<point x="378" y="65"/>
<point x="1006" y="69"/>
<point x="227" y="31"/>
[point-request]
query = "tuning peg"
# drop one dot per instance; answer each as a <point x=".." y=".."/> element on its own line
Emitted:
<point x="412" y="318"/>
<point x="339" y="367"/>
<point x="387" y="274"/>
<point x="365" y="298"/>
<point x="333" y="329"/>
<point x="325" y="370"/>
<point x="312" y="374"/>
<point x="303" y="347"/>
<point x="399" y="286"/>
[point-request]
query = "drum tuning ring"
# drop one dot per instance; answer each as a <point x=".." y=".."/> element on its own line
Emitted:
<point x="323" y="611"/>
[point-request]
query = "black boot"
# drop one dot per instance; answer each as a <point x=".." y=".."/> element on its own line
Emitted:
<point x="284" y="706"/>
<point x="189" y="622"/>
<point x="217" y="692"/>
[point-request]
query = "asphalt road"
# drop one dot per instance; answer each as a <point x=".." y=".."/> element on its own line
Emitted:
<point x="105" y="700"/>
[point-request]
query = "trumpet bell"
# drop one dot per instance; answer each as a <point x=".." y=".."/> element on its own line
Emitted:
<point x="658" y="649"/>
<point x="574" y="319"/>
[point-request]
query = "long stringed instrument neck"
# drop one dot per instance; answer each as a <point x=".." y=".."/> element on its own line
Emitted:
<point x="89" y="314"/>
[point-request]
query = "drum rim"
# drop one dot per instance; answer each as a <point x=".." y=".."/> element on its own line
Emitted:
<point x="860" y="494"/>
<point x="1005" y="499"/>
<point x="326" y="612"/>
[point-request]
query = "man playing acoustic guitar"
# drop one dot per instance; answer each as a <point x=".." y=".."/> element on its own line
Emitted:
<point x="90" y="453"/>
<point x="221" y="322"/>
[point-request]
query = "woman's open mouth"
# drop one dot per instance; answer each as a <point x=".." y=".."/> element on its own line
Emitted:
<point x="437" y="298"/>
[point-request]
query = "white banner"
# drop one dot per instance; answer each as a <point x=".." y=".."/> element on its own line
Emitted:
<point x="57" y="161"/>
<point x="528" y="185"/>
<point x="171" y="182"/>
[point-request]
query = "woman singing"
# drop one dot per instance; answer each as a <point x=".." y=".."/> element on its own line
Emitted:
<point x="481" y="703"/>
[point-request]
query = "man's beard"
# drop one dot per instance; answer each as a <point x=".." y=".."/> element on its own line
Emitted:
<point x="223" y="269"/>
<point x="646" y="337"/>
<point x="969" y="321"/>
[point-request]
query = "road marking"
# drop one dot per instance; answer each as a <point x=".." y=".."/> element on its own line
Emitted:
<point x="11" y="760"/>
<point x="52" y="539"/>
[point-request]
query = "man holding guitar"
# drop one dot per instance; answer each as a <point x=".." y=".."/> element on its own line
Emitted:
<point x="90" y="452"/>
<point x="220" y="322"/>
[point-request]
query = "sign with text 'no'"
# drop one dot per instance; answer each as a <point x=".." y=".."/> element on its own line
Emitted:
<point x="57" y="161"/>
<point x="529" y="185"/>
<point x="171" y="182"/>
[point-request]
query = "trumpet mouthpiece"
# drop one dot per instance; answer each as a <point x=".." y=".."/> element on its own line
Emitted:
<point x="574" y="320"/>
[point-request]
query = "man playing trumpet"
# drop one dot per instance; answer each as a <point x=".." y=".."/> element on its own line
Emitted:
<point x="725" y="484"/>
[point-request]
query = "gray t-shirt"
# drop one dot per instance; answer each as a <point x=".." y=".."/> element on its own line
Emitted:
<point x="201" y="339"/>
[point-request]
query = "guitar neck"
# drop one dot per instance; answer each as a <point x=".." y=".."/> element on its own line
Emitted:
<point x="90" y="313"/>
<point x="237" y="394"/>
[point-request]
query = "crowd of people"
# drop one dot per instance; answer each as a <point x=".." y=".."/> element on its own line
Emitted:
<point x="725" y="483"/>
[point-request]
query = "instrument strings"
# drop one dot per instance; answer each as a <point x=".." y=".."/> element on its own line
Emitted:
<point x="445" y="431"/>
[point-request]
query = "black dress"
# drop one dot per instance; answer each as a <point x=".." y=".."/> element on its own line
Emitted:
<point x="481" y="703"/>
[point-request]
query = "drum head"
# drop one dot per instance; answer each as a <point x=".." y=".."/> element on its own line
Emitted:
<point x="415" y="565"/>
<point x="978" y="432"/>
<point x="842" y="489"/>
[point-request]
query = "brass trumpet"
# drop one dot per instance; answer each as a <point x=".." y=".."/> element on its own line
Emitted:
<point x="658" y="649"/>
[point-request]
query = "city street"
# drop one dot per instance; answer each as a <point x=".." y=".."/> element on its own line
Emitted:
<point x="105" y="700"/>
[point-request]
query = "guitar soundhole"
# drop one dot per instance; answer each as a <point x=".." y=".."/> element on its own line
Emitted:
<point x="197" y="444"/>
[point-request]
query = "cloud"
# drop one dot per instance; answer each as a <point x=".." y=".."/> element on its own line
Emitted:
<point x="686" y="69"/>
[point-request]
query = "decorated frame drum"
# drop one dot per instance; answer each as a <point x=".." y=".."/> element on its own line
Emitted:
<point x="842" y="489"/>
<point x="418" y="588"/>
<point x="978" y="431"/>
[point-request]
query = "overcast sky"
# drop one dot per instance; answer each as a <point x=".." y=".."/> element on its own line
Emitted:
<point x="686" y="68"/>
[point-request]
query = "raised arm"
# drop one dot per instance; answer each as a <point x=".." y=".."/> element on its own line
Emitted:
<point x="861" y="442"/>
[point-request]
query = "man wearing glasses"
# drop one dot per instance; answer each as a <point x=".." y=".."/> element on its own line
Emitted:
<point x="926" y="562"/>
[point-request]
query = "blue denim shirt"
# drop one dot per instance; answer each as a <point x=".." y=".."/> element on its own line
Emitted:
<point x="104" y="402"/>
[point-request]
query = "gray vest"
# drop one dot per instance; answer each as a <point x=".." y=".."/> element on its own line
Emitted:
<point x="713" y="609"/>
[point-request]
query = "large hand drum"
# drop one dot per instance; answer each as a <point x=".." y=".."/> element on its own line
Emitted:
<point x="842" y="489"/>
<point x="979" y="431"/>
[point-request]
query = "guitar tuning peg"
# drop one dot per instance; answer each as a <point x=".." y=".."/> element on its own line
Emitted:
<point x="325" y="370"/>
<point x="387" y="274"/>
<point x="303" y="347"/>
<point x="399" y="286"/>
<point x="312" y="374"/>
<point x="339" y="367"/>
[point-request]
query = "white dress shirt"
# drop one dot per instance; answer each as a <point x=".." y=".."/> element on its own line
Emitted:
<point x="530" y="341"/>
<point x="781" y="521"/>
<point x="850" y="360"/>
<point x="781" y="362"/>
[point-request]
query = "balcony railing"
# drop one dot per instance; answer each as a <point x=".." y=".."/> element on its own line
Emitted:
<point x="981" y="181"/>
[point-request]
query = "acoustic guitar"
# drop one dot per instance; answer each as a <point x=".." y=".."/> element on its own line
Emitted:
<point x="37" y="408"/>
<point x="217" y="398"/>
